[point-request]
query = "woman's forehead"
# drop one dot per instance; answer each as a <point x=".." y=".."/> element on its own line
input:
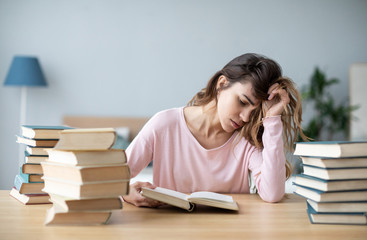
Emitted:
<point x="246" y="89"/>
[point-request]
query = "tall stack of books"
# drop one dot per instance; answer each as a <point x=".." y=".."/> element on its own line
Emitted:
<point x="85" y="177"/>
<point x="28" y="184"/>
<point x="334" y="181"/>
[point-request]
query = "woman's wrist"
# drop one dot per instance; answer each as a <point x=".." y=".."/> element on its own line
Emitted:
<point x="272" y="116"/>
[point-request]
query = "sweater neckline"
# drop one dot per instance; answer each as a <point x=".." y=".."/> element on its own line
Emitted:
<point x="187" y="130"/>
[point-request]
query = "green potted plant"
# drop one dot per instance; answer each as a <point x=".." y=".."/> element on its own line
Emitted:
<point x="328" y="117"/>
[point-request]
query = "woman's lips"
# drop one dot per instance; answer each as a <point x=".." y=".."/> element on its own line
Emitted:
<point x="235" y="125"/>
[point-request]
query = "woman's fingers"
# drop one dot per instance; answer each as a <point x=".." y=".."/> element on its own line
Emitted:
<point x="272" y="90"/>
<point x="141" y="201"/>
<point x="139" y="185"/>
<point x="276" y="90"/>
<point x="277" y="100"/>
<point x="137" y="199"/>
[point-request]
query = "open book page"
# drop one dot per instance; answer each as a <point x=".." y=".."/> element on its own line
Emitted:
<point x="171" y="193"/>
<point x="214" y="200"/>
<point x="187" y="202"/>
<point x="211" y="196"/>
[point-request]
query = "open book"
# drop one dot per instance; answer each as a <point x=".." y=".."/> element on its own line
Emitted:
<point x="188" y="202"/>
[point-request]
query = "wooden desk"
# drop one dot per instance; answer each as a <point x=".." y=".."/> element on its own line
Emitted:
<point x="256" y="220"/>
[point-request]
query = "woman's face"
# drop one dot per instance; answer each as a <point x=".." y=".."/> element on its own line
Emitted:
<point x="235" y="104"/>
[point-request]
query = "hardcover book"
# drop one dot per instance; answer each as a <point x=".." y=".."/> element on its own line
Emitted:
<point x="27" y="188"/>
<point x="86" y="139"/>
<point x="334" y="149"/>
<point x="28" y="199"/>
<point x="40" y="151"/>
<point x="28" y="158"/>
<point x="93" y="204"/>
<point x="58" y="216"/>
<point x="337" y="196"/>
<point x="37" y="142"/>
<point x="346" y="162"/>
<point x="330" y="185"/>
<point x="42" y="132"/>
<point x="87" y="157"/>
<point x="338" y="206"/>
<point x="335" y="173"/>
<point x="30" y="178"/>
<point x="31" y="168"/>
<point x="188" y="202"/>
<point x="102" y="189"/>
<point x="85" y="174"/>
<point x="336" y="218"/>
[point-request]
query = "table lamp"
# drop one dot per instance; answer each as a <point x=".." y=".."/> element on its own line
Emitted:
<point x="25" y="71"/>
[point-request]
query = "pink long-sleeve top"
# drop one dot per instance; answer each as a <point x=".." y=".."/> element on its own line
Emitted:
<point x="180" y="163"/>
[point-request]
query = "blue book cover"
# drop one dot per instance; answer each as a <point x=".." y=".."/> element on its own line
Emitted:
<point x="321" y="192"/>
<point x="18" y="182"/>
<point x="37" y="139"/>
<point x="335" y="173"/>
<point x="319" y="181"/>
<point x="331" y="196"/>
<point x="338" y="207"/>
<point x="314" y="178"/>
<point x="24" y="176"/>
<point x="42" y="131"/>
<point x="49" y="142"/>
<point x="331" y="168"/>
<point x="346" y="218"/>
<point x="342" y="162"/>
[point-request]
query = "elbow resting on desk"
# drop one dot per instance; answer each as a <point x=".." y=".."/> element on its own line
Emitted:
<point x="272" y="198"/>
<point x="272" y="194"/>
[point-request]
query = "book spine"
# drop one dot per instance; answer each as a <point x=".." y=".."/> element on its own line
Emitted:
<point x="35" y="168"/>
<point x="27" y="178"/>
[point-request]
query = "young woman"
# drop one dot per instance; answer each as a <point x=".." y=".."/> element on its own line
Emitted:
<point x="238" y="125"/>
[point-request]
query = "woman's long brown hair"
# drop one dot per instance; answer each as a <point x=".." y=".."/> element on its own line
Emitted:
<point x="262" y="73"/>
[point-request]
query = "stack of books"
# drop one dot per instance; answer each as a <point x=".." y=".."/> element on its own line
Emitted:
<point x="28" y="184"/>
<point x="334" y="181"/>
<point x="85" y="177"/>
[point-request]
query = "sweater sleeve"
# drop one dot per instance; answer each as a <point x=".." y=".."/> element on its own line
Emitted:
<point x="139" y="153"/>
<point x="268" y="165"/>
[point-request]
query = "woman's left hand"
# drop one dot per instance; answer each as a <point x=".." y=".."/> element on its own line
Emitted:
<point x="278" y="99"/>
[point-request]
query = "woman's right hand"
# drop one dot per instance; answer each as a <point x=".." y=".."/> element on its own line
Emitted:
<point x="137" y="199"/>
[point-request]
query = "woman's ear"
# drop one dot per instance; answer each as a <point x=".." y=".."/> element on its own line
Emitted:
<point x="222" y="82"/>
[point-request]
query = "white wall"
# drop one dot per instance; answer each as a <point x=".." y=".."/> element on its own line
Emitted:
<point x="357" y="87"/>
<point x="135" y="58"/>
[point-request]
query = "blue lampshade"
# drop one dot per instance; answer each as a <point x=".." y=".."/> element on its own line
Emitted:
<point x="25" y="71"/>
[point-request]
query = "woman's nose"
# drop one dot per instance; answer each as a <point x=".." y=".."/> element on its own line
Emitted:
<point x="245" y="116"/>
